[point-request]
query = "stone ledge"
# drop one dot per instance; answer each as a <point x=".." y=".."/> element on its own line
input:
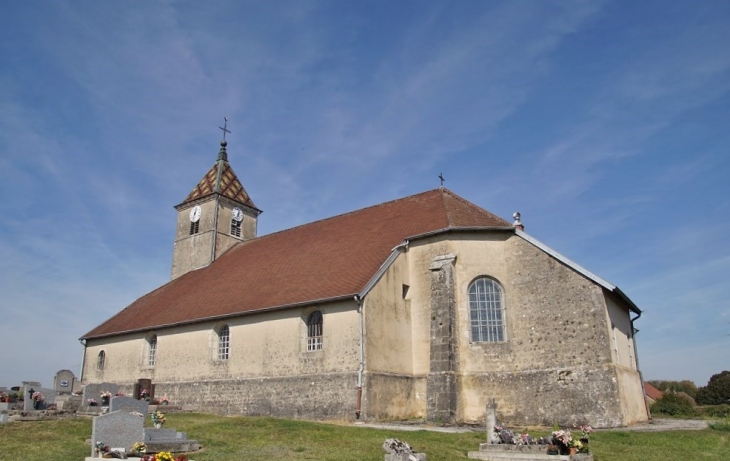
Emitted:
<point x="507" y="454"/>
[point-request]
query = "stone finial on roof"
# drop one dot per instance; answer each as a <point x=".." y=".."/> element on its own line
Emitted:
<point x="518" y="221"/>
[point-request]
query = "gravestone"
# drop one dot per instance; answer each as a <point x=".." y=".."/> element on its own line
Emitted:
<point x="93" y="391"/>
<point x="49" y="397"/>
<point x="118" y="429"/>
<point x="128" y="404"/>
<point x="3" y="418"/>
<point x="144" y="384"/>
<point x="491" y="419"/>
<point x="64" y="381"/>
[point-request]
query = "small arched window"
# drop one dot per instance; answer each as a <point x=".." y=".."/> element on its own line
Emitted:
<point x="152" y="350"/>
<point x="314" y="331"/>
<point x="486" y="311"/>
<point x="224" y="342"/>
<point x="100" y="361"/>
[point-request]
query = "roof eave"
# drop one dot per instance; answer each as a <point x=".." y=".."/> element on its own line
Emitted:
<point x="220" y="317"/>
<point x="446" y="230"/>
<point x="580" y="269"/>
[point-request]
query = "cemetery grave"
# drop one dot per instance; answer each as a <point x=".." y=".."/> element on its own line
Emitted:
<point x="503" y="444"/>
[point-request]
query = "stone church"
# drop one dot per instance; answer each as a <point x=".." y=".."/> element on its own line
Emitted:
<point x="424" y="307"/>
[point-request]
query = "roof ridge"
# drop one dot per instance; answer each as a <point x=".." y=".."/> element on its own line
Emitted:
<point x="443" y="191"/>
<point x="462" y="199"/>
<point x="341" y="215"/>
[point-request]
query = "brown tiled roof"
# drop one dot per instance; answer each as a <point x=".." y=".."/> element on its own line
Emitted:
<point x="652" y="392"/>
<point x="223" y="180"/>
<point x="328" y="259"/>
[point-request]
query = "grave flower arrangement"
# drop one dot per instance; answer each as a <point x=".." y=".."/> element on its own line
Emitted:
<point x="139" y="447"/>
<point x="164" y="400"/>
<point x="144" y="394"/>
<point x="565" y="441"/>
<point x="91" y="402"/>
<point x="37" y="397"/>
<point x="3" y="397"/>
<point x="105" y="396"/>
<point x="101" y="448"/>
<point x="158" y="418"/>
<point x="165" y="456"/>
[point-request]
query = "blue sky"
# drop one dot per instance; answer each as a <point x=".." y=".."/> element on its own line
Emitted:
<point x="606" y="124"/>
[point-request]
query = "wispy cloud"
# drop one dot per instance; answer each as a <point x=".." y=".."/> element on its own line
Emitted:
<point x="607" y="134"/>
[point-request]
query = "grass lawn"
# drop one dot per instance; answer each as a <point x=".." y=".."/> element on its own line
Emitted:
<point x="239" y="438"/>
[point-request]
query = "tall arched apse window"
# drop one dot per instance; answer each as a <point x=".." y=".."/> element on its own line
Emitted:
<point x="486" y="311"/>
<point x="100" y="360"/>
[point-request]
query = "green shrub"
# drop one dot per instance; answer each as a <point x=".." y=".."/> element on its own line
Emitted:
<point x="674" y="405"/>
<point x="721" y="425"/>
<point x="715" y="411"/>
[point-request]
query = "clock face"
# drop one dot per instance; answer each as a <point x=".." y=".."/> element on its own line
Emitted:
<point x="237" y="214"/>
<point x="195" y="213"/>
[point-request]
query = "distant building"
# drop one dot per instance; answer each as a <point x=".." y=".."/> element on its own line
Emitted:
<point x="422" y="307"/>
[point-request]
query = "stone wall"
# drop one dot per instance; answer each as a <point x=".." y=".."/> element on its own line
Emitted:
<point x="267" y="345"/>
<point x="557" y="361"/>
<point x="320" y="396"/>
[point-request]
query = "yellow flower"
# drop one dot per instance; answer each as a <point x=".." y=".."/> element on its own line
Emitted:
<point x="165" y="456"/>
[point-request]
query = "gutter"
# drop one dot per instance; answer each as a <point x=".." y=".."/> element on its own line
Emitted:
<point x="83" y="360"/>
<point x="361" y="368"/>
<point x="395" y="252"/>
<point x="219" y="317"/>
<point x="636" y="359"/>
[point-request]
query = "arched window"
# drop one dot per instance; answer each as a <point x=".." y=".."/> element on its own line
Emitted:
<point x="152" y="350"/>
<point x="486" y="309"/>
<point x="314" y="331"/>
<point x="100" y="360"/>
<point x="224" y="342"/>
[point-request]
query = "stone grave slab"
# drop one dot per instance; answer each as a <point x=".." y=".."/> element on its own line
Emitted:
<point x="5" y="406"/>
<point x="155" y="435"/>
<point x="117" y="429"/>
<point x="48" y="394"/>
<point x="3" y="418"/>
<point x="64" y="381"/>
<point x="128" y="404"/>
<point x="94" y="390"/>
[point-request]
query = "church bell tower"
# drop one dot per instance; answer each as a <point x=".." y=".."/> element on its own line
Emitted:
<point x="216" y="215"/>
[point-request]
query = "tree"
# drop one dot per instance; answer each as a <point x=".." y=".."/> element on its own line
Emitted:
<point x="686" y="386"/>
<point x="717" y="390"/>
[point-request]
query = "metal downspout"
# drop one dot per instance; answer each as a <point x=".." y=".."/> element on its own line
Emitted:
<point x="636" y="359"/>
<point x="83" y="360"/>
<point x="360" y="370"/>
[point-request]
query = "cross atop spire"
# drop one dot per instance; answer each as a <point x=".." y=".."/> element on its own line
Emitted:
<point x="224" y="127"/>
<point x="441" y="177"/>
